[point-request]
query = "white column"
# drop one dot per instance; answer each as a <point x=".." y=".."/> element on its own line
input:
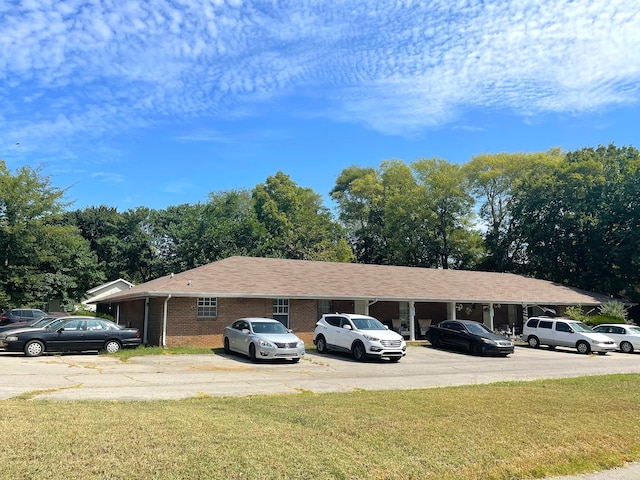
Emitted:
<point x="412" y="321"/>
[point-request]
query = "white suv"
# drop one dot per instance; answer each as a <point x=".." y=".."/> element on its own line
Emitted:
<point x="564" y="332"/>
<point x="361" y="335"/>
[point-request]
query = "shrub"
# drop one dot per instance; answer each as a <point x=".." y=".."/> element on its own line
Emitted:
<point x="576" y="312"/>
<point x="614" y="309"/>
<point x="610" y="312"/>
<point x="594" y="320"/>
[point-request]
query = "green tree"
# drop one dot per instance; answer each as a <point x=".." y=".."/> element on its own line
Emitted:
<point x="417" y="215"/>
<point x="295" y="224"/>
<point x="140" y="256"/>
<point x="446" y="196"/>
<point x="188" y="236"/>
<point x="492" y="179"/>
<point x="233" y="225"/>
<point x="359" y="194"/>
<point x="102" y="227"/>
<point x="579" y="224"/>
<point x="42" y="258"/>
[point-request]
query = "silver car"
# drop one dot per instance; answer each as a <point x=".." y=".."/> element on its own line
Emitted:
<point x="626" y="336"/>
<point x="262" y="338"/>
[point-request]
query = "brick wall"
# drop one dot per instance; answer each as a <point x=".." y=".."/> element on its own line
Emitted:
<point x="184" y="328"/>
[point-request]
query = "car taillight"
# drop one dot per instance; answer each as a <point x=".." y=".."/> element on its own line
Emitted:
<point x="137" y="335"/>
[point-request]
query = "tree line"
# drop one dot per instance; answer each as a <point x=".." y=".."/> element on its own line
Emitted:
<point x="568" y="217"/>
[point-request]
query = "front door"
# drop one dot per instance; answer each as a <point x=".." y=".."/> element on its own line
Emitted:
<point x="564" y="335"/>
<point x="69" y="337"/>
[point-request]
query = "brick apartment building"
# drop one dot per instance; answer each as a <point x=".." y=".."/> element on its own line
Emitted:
<point x="192" y="308"/>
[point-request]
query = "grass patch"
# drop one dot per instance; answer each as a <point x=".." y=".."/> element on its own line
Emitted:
<point x="502" y="431"/>
<point x="127" y="353"/>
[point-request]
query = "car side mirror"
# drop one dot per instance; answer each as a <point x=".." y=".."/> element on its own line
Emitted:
<point x="289" y="330"/>
<point x="245" y="330"/>
<point x="347" y="326"/>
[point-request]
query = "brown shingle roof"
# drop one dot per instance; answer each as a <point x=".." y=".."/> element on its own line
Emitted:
<point x="250" y="277"/>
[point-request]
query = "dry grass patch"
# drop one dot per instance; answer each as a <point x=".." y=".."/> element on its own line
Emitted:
<point x="500" y="431"/>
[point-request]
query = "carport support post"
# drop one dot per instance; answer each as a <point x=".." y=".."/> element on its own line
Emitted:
<point x="451" y="310"/>
<point x="491" y="313"/>
<point x="412" y="321"/>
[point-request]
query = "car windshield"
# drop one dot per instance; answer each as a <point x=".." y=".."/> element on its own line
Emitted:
<point x="367" y="324"/>
<point x="581" y="327"/>
<point x="268" y="327"/>
<point x="477" y="328"/>
<point x="42" y="322"/>
<point x="56" y="324"/>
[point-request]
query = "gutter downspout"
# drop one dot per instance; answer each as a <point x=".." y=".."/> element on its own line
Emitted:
<point x="164" y="322"/>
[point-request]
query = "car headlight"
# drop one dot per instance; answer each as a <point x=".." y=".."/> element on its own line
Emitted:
<point x="489" y="341"/>
<point x="11" y="338"/>
<point x="300" y="344"/>
<point x="264" y="343"/>
<point x="371" y="338"/>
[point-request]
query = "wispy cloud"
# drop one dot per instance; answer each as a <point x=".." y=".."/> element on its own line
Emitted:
<point x="107" y="177"/>
<point x="80" y="68"/>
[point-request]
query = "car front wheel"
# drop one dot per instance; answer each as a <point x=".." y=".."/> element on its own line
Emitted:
<point x="626" y="347"/>
<point x="533" y="342"/>
<point x="112" y="346"/>
<point x="252" y="353"/>
<point x="583" y="347"/>
<point x="359" y="352"/>
<point x="475" y="348"/>
<point x="226" y="346"/>
<point x="34" y="348"/>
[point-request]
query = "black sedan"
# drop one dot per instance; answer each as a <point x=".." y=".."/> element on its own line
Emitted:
<point x="72" y="334"/>
<point x="469" y="336"/>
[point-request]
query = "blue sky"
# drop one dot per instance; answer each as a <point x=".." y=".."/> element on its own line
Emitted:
<point x="158" y="103"/>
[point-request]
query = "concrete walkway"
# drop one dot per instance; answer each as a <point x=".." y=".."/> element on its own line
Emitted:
<point x="627" y="472"/>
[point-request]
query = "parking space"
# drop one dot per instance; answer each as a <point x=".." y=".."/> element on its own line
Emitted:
<point x="98" y="377"/>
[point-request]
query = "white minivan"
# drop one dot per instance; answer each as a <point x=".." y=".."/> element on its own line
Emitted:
<point x="564" y="332"/>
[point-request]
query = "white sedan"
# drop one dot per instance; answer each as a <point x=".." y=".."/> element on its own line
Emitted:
<point x="626" y="336"/>
<point x="262" y="338"/>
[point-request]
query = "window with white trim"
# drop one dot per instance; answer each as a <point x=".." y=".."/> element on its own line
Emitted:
<point x="281" y="310"/>
<point x="207" y="307"/>
<point x="281" y="306"/>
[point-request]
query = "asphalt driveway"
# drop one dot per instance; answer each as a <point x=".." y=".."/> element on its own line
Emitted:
<point x="98" y="377"/>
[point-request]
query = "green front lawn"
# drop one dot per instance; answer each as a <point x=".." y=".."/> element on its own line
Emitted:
<point x="506" y="431"/>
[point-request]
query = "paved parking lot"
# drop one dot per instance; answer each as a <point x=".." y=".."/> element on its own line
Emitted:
<point x="97" y="377"/>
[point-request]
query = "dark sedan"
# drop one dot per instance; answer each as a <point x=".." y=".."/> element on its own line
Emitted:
<point x="72" y="334"/>
<point x="469" y="336"/>
<point x="20" y="315"/>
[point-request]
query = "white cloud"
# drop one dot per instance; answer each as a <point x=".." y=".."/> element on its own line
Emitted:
<point x="108" y="177"/>
<point x="90" y="68"/>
